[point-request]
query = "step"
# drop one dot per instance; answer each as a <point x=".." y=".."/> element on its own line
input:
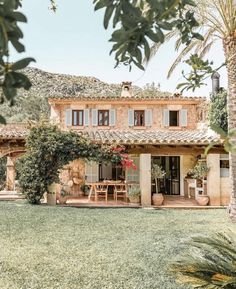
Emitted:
<point x="8" y="193"/>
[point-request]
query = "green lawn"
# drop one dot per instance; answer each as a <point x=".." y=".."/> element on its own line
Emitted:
<point x="65" y="248"/>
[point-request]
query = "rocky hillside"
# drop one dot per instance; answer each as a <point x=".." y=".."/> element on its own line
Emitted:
<point x="62" y="85"/>
<point x="30" y="105"/>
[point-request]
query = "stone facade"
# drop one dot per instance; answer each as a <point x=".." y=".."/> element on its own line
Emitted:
<point x="58" y="113"/>
<point x="156" y="138"/>
<point x="194" y="122"/>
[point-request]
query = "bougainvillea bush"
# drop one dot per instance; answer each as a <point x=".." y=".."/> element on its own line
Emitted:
<point x="49" y="149"/>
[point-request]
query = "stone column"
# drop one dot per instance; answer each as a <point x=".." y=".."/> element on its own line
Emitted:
<point x="11" y="174"/>
<point x="145" y="180"/>
<point x="213" y="179"/>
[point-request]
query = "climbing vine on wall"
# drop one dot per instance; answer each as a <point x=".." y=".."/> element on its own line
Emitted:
<point x="49" y="149"/>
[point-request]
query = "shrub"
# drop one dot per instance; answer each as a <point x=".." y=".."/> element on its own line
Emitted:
<point x="3" y="162"/>
<point x="199" y="171"/>
<point x="218" y="115"/>
<point x="134" y="192"/>
<point x="209" y="263"/>
<point x="48" y="150"/>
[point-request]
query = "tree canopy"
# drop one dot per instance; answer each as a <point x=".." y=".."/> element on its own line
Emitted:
<point x="136" y="24"/>
<point x="11" y="34"/>
<point x="218" y="114"/>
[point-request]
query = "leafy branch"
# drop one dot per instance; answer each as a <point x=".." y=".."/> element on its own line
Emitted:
<point x="10" y="78"/>
<point x="53" y="5"/>
<point x="137" y="23"/>
<point x="200" y="71"/>
<point x="227" y="139"/>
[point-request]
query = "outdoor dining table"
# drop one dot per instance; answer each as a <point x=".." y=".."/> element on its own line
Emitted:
<point x="104" y="183"/>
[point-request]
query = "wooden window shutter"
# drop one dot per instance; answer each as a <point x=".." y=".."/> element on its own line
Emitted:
<point x="86" y="117"/>
<point x="94" y="117"/>
<point x="68" y="119"/>
<point x="148" y="117"/>
<point x="131" y="117"/>
<point x="112" y="117"/>
<point x="166" y="117"/>
<point x="183" y="117"/>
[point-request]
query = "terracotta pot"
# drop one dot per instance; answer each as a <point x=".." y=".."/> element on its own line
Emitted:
<point x="134" y="200"/>
<point x="157" y="199"/>
<point x="202" y="200"/>
<point x="81" y="193"/>
<point x="62" y="200"/>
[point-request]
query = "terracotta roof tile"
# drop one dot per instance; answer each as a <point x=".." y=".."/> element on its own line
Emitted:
<point x="127" y="98"/>
<point x="186" y="137"/>
<point x="153" y="137"/>
<point x="18" y="131"/>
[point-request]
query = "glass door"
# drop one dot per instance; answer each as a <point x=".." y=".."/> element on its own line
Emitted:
<point x="170" y="184"/>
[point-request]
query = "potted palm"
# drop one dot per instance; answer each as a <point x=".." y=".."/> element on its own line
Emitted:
<point x="157" y="174"/>
<point x="199" y="173"/>
<point x="134" y="194"/>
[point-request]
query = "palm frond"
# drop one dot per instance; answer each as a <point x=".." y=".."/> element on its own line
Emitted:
<point x="156" y="46"/>
<point x="216" y="18"/>
<point x="210" y="262"/>
<point x="206" y="49"/>
<point x="181" y="55"/>
<point x="178" y="43"/>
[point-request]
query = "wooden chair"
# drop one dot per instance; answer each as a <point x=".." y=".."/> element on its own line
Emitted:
<point x="120" y="191"/>
<point x="101" y="191"/>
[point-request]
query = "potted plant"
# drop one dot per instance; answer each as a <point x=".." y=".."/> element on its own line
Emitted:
<point x="134" y="194"/>
<point x="157" y="174"/>
<point x="63" y="197"/>
<point x="199" y="173"/>
<point x="51" y="194"/>
<point x="85" y="188"/>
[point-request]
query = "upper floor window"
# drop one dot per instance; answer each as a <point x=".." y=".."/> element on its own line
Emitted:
<point x="77" y="117"/>
<point x="139" y="118"/>
<point x="103" y="117"/>
<point x="173" y="118"/>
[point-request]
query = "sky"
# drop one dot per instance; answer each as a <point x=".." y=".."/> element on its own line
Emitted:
<point x="73" y="41"/>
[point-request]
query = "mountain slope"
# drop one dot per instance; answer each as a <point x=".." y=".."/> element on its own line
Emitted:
<point x="30" y="105"/>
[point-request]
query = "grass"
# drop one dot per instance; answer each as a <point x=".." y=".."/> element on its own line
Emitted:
<point x="71" y="248"/>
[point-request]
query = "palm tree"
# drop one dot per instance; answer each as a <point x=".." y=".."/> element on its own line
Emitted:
<point x="217" y="19"/>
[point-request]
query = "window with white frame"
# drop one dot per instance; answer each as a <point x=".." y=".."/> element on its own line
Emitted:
<point x="224" y="166"/>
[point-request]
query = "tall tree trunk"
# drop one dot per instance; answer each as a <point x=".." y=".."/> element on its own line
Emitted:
<point x="230" y="55"/>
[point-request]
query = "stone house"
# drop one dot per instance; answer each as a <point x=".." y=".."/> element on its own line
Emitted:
<point x="167" y="130"/>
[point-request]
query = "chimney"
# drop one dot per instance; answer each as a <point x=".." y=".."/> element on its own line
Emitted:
<point x="126" y="89"/>
<point x="215" y="77"/>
